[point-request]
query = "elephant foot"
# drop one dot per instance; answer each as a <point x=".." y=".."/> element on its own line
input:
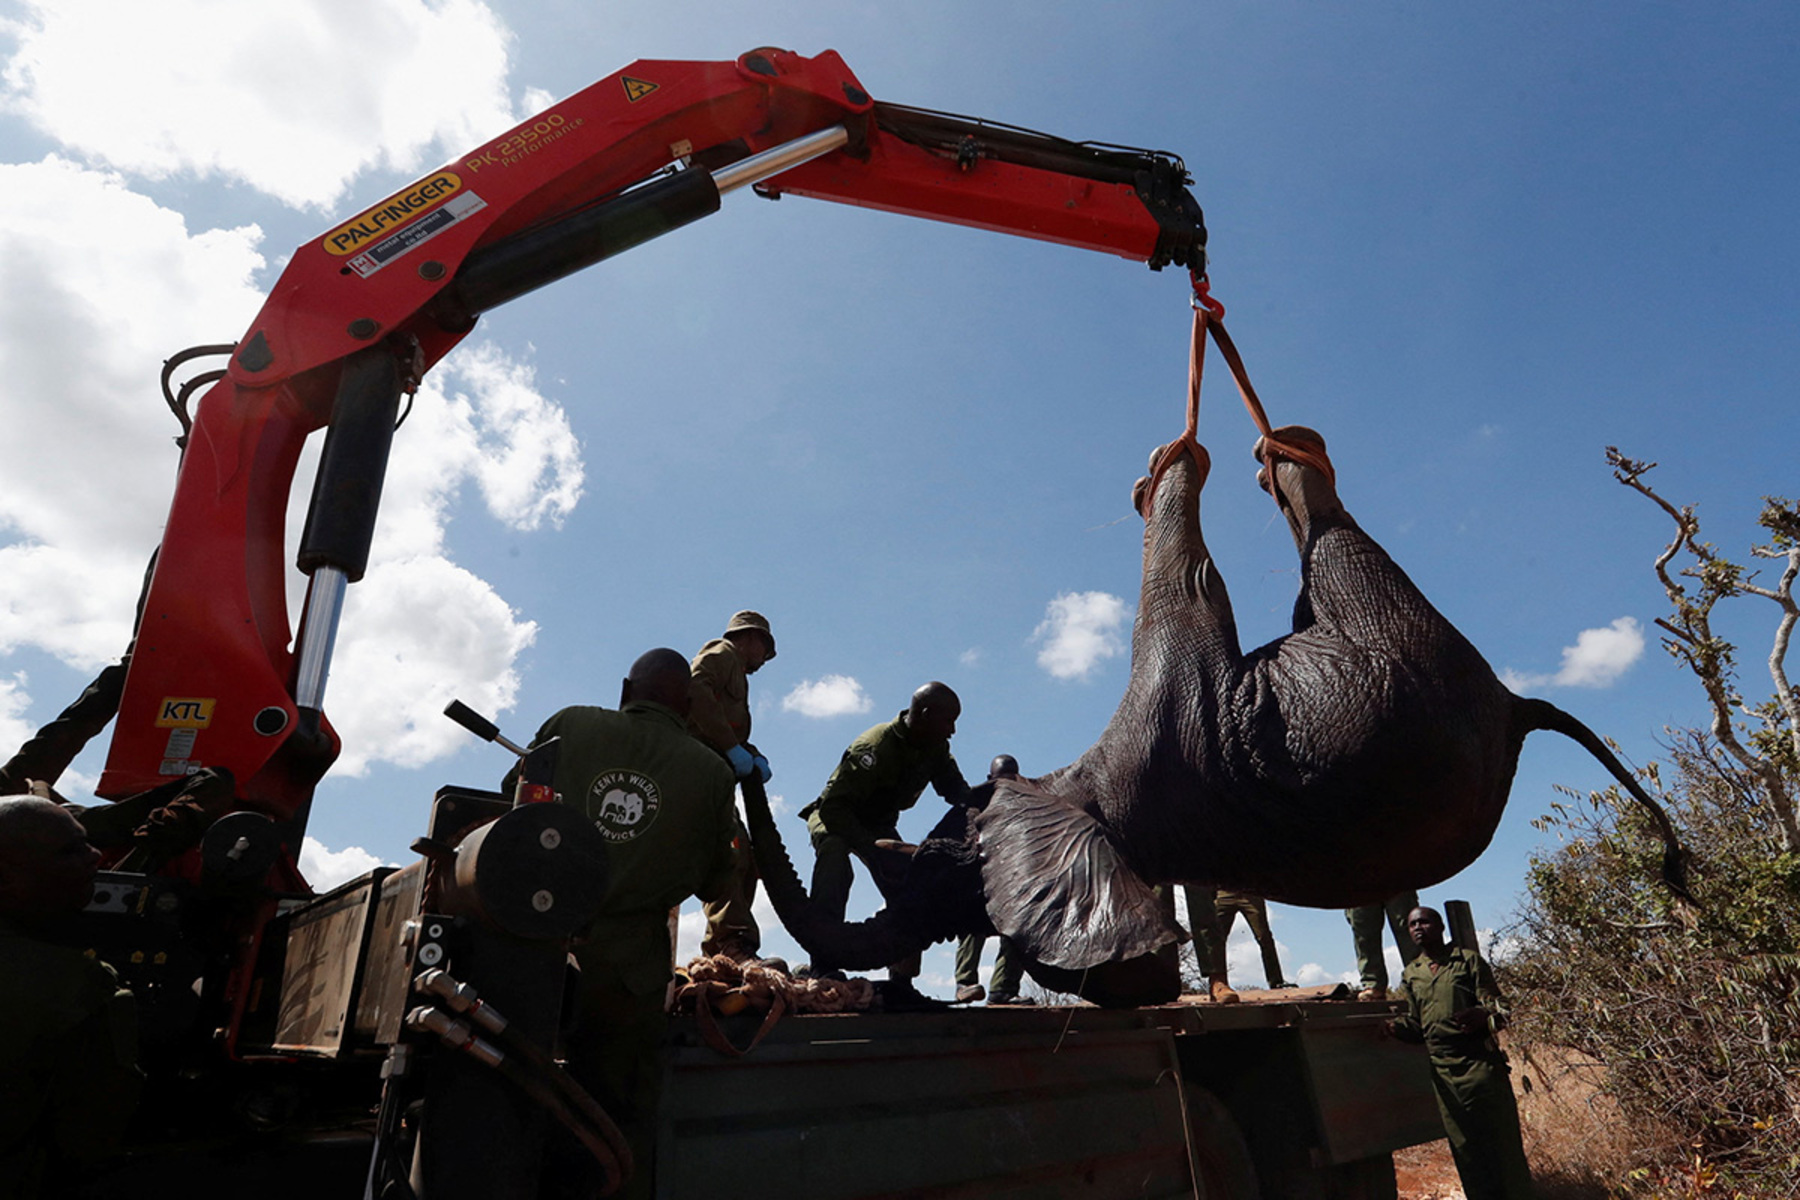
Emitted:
<point x="1221" y="990"/>
<point x="1304" y="482"/>
<point x="1161" y="459"/>
<point x="1295" y="444"/>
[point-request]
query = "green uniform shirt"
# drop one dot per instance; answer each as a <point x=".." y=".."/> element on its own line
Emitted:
<point x="1462" y="980"/>
<point x="68" y="1059"/>
<point x="664" y="804"/>
<point x="882" y="774"/>
<point x="720" y="715"/>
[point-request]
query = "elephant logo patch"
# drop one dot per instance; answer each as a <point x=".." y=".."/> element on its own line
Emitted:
<point x="624" y="804"/>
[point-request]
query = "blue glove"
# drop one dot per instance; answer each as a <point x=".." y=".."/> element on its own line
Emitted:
<point x="741" y="762"/>
<point x="762" y="768"/>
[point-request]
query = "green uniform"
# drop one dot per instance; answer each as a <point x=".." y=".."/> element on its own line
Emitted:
<point x="720" y="717"/>
<point x="663" y="802"/>
<point x="1469" y="1071"/>
<point x="1203" y="924"/>
<point x="1008" y="970"/>
<point x="68" y="1059"/>
<point x="880" y="776"/>
<point x="1365" y="931"/>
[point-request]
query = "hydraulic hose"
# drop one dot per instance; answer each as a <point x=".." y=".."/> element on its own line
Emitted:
<point x="465" y="1001"/>
<point x="602" y="1141"/>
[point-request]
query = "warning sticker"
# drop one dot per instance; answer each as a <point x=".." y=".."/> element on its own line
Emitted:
<point x="417" y="234"/>
<point x="184" y="712"/>
<point x="636" y="89"/>
<point x="178" y="755"/>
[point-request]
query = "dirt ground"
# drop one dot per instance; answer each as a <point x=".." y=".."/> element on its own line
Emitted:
<point x="1427" y="1173"/>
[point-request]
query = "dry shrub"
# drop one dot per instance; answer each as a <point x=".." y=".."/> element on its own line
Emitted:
<point x="1682" y="1025"/>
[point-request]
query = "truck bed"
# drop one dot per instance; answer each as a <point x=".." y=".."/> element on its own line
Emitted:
<point x="1285" y="1095"/>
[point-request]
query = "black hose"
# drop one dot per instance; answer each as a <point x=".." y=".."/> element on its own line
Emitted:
<point x="538" y="1077"/>
<point x="173" y="363"/>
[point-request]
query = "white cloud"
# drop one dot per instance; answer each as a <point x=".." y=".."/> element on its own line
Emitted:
<point x="1596" y="660"/>
<point x="970" y="657"/>
<point x="1313" y="975"/>
<point x="14" y="704"/>
<point x="1080" y="630"/>
<point x="832" y="696"/>
<point x="79" y="253"/>
<point x="95" y="275"/>
<point x="295" y="99"/>
<point x="325" y="868"/>
<point x="395" y="673"/>
<point x="690" y="930"/>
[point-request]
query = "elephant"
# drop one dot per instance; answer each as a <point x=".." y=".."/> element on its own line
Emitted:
<point x="1366" y="753"/>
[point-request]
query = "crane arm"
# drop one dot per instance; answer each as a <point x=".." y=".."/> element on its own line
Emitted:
<point x="219" y="678"/>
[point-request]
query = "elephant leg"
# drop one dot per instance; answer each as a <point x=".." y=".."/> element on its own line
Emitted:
<point x="1183" y="595"/>
<point x="1348" y="581"/>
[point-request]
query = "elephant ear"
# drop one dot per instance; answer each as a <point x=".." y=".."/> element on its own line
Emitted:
<point x="1058" y="888"/>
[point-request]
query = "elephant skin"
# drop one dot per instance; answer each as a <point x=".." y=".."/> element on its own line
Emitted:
<point x="1366" y="753"/>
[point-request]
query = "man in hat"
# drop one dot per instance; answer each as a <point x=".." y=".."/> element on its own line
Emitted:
<point x="720" y="717"/>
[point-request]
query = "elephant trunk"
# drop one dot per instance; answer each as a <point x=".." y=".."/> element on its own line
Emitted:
<point x="854" y="945"/>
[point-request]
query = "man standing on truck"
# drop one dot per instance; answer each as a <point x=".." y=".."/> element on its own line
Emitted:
<point x="1007" y="968"/>
<point x="68" y="1031"/>
<point x="720" y="717"/>
<point x="1365" y="931"/>
<point x="663" y="802"/>
<point x="1255" y="910"/>
<point x="1454" y="1007"/>
<point x="880" y="776"/>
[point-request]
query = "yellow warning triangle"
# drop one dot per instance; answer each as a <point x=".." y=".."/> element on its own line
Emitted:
<point x="636" y="89"/>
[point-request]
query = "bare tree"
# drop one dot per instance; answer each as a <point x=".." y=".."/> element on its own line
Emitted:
<point x="1772" y="753"/>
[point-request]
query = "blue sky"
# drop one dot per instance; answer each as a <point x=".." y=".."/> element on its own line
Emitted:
<point x="1472" y="247"/>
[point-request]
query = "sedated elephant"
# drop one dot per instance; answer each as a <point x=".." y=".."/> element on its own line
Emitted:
<point x="1291" y="771"/>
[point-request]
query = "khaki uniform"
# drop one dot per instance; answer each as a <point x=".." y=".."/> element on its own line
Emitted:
<point x="1226" y="908"/>
<point x="69" y="1079"/>
<point x="720" y="718"/>
<point x="663" y="802"/>
<point x="1469" y="1071"/>
<point x="880" y="776"/>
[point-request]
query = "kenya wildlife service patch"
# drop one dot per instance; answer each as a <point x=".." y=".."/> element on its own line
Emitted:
<point x="624" y="803"/>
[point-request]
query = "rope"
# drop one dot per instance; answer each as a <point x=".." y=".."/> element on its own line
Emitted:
<point x="1209" y="318"/>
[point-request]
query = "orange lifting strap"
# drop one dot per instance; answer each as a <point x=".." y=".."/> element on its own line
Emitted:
<point x="1209" y="316"/>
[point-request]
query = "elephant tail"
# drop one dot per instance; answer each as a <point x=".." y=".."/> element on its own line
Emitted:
<point x="1541" y="714"/>
<point x="854" y="945"/>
